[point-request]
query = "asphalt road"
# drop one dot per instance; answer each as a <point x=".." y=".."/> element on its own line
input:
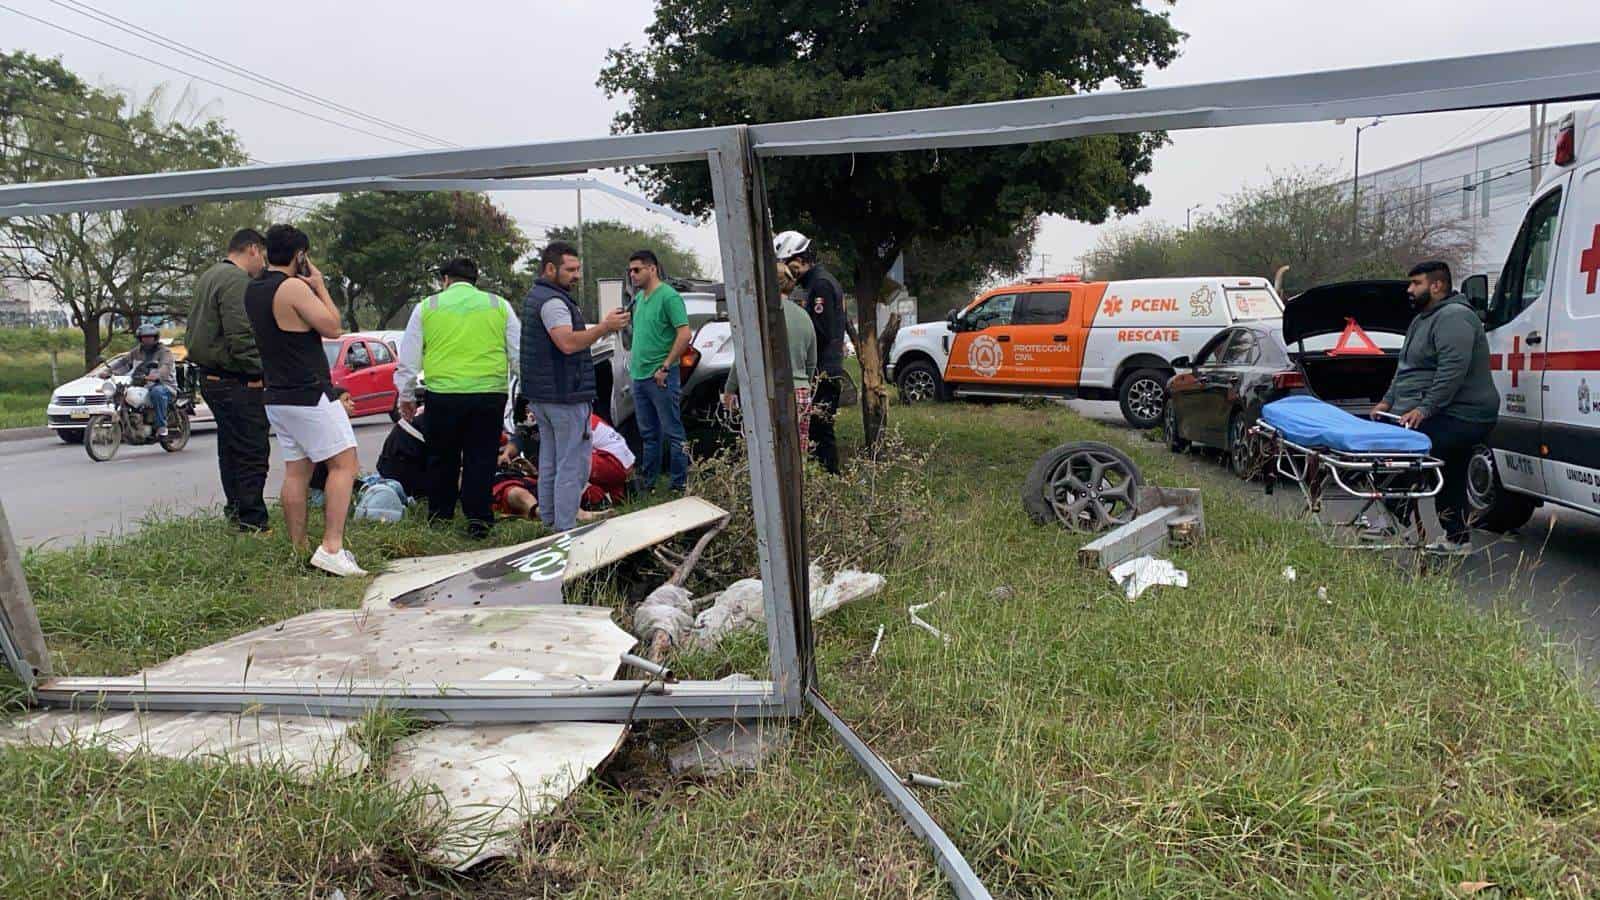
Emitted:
<point x="54" y="494"/>
<point x="1546" y="571"/>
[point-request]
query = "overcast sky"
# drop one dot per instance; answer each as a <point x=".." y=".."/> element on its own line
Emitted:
<point x="478" y="73"/>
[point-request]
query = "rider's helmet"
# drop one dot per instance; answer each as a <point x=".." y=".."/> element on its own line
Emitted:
<point x="789" y="244"/>
<point x="147" y="331"/>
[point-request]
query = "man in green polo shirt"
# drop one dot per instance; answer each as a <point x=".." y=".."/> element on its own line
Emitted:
<point x="464" y="339"/>
<point x="660" y="337"/>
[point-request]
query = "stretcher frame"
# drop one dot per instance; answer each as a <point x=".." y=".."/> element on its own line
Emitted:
<point x="1384" y="477"/>
<point x="733" y="154"/>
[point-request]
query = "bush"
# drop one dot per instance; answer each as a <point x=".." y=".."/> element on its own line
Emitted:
<point x="861" y="518"/>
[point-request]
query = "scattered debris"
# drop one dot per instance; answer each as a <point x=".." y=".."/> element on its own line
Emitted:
<point x="914" y="779"/>
<point x="1168" y="516"/>
<point x="739" y="746"/>
<point x="532" y="573"/>
<point x="876" y="643"/>
<point x="1322" y="594"/>
<point x="918" y="621"/>
<point x="1002" y="594"/>
<point x="1143" y="572"/>
<point x="1473" y="887"/>
<point x="1289" y="574"/>
<point x="741" y="606"/>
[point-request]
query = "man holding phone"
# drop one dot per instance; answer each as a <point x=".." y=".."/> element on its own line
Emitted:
<point x="290" y="313"/>
<point x="558" y="381"/>
<point x="660" y="337"/>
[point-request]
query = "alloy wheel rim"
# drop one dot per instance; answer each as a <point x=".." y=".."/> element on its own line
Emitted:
<point x="1146" y="398"/>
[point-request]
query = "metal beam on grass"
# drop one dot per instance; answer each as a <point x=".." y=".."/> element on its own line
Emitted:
<point x="608" y="701"/>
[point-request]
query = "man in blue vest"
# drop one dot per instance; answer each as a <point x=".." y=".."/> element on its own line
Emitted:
<point x="464" y="339"/>
<point x="558" y="380"/>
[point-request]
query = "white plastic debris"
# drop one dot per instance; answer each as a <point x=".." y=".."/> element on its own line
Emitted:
<point x="669" y="608"/>
<point x="1322" y="593"/>
<point x="920" y="623"/>
<point x="876" y="643"/>
<point x="741" y="605"/>
<point x="1143" y="572"/>
<point x="1289" y="574"/>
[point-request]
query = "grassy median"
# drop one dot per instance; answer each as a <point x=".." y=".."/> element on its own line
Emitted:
<point x="1242" y="737"/>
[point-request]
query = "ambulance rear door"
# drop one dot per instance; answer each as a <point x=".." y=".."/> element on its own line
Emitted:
<point x="1571" y="349"/>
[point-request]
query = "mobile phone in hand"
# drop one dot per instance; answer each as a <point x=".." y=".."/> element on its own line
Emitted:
<point x="302" y="266"/>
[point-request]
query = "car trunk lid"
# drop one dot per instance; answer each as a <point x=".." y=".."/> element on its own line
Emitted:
<point x="1357" y="381"/>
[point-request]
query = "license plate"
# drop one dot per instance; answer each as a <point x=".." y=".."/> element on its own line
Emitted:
<point x="78" y="414"/>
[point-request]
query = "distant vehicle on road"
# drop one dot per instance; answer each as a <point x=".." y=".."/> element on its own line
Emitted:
<point x="1215" y="397"/>
<point x="1063" y="337"/>
<point x="73" y="403"/>
<point x="364" y="365"/>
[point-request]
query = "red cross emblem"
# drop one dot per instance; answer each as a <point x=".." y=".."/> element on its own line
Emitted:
<point x="1589" y="262"/>
<point x="1516" y="360"/>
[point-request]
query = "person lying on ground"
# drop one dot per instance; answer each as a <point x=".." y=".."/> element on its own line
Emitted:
<point x="611" y="463"/>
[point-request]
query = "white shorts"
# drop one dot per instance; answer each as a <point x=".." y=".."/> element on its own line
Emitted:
<point x="317" y="433"/>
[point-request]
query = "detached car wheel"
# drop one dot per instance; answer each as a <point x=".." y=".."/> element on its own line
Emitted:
<point x="1143" y="397"/>
<point x="1085" y="486"/>
<point x="919" y="382"/>
<point x="1489" y="505"/>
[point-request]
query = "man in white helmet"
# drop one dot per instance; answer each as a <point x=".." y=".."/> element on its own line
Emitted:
<point x="819" y="294"/>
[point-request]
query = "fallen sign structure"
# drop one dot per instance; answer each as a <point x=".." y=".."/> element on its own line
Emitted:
<point x="732" y="155"/>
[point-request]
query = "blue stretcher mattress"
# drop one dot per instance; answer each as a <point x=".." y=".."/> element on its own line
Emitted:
<point x="1310" y="422"/>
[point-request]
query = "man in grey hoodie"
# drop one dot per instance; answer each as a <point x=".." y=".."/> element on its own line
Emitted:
<point x="1442" y="388"/>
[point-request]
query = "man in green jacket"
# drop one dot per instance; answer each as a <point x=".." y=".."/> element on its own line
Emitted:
<point x="221" y="344"/>
<point x="1442" y="388"/>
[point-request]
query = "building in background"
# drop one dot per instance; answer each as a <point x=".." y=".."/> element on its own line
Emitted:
<point x="1484" y="187"/>
<point x="30" y="304"/>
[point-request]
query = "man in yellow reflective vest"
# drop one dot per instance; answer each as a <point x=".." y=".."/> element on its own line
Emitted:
<point x="465" y="339"/>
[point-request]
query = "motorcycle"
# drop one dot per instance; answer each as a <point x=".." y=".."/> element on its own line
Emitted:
<point x="132" y="420"/>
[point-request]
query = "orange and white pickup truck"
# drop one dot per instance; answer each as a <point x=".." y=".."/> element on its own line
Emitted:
<point x="1064" y="337"/>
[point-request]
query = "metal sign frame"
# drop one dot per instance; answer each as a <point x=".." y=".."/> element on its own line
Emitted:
<point x="732" y="153"/>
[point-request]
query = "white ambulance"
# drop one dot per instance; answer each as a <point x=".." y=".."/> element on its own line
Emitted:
<point x="1543" y="322"/>
<point x="1063" y="337"/>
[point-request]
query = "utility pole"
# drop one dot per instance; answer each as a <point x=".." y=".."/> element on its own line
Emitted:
<point x="1536" y="123"/>
<point x="580" y="249"/>
<point x="1044" y="263"/>
<point x="1187" y="213"/>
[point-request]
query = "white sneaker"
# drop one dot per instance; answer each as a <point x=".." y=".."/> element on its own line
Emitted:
<point x="161" y="432"/>
<point x="1448" y="547"/>
<point x="342" y="564"/>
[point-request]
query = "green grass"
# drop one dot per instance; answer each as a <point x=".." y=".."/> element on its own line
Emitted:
<point x="1239" y="738"/>
<point x="25" y="386"/>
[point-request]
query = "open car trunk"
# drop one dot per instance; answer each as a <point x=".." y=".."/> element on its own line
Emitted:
<point x="1314" y="324"/>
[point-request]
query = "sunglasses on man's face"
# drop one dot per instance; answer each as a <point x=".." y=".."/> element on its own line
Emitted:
<point x="636" y="270"/>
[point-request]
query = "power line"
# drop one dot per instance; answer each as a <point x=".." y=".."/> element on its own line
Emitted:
<point x="210" y="81"/>
<point x="199" y="55"/>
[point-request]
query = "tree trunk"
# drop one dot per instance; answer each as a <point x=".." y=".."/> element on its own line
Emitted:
<point x="874" y="396"/>
<point x="91" y="342"/>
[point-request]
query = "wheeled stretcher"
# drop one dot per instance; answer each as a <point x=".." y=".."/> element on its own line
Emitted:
<point x="1314" y="443"/>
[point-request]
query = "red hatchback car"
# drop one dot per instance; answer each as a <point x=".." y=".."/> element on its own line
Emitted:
<point x="364" y="365"/>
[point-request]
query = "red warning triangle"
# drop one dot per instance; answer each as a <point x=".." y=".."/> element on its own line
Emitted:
<point x="1354" y="342"/>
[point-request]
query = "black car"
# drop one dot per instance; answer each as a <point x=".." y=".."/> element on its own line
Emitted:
<point x="1218" y="394"/>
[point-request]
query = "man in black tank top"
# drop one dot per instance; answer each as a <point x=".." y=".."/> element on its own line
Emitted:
<point x="290" y="312"/>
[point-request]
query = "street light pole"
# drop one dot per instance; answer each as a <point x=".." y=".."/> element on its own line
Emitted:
<point x="1355" y="183"/>
<point x="1186" y="215"/>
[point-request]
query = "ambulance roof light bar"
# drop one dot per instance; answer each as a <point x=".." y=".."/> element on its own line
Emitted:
<point x="1567" y="141"/>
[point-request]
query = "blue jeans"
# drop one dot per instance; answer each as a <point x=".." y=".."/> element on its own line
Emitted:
<point x="160" y="396"/>
<point x="657" y="411"/>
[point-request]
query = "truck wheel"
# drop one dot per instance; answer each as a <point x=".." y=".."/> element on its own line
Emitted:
<point x="1489" y="505"/>
<point x="1143" y="396"/>
<point x="1084" y="486"/>
<point x="919" y="382"/>
<point x="70" y="435"/>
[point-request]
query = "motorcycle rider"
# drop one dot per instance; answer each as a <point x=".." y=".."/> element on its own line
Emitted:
<point x="819" y="294"/>
<point x="152" y="366"/>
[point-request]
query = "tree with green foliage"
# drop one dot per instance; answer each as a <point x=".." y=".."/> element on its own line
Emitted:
<point x="379" y="250"/>
<point x="1300" y="219"/>
<point x="607" y="244"/>
<point x="949" y="273"/>
<point x="111" y="269"/>
<point x="714" y="62"/>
